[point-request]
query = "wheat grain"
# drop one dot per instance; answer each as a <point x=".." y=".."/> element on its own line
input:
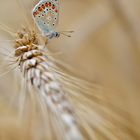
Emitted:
<point x="35" y="67"/>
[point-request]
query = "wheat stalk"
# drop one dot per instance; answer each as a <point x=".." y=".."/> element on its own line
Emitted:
<point x="40" y="73"/>
<point x="35" y="66"/>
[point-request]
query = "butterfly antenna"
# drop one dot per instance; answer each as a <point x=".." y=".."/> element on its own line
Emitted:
<point x="66" y="35"/>
<point x="67" y="32"/>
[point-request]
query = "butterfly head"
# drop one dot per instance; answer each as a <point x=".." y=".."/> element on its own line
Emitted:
<point x="53" y="35"/>
<point x="57" y="34"/>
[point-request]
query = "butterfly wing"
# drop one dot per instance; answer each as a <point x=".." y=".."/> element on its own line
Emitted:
<point x="45" y="15"/>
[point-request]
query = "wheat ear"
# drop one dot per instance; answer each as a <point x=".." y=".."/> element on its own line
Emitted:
<point x="34" y="65"/>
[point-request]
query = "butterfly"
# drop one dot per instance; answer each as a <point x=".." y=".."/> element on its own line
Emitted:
<point x="46" y="16"/>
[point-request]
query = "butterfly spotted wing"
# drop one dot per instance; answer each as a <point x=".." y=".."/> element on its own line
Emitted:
<point x="46" y="14"/>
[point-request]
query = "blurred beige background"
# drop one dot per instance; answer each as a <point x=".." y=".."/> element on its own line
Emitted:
<point x="104" y="49"/>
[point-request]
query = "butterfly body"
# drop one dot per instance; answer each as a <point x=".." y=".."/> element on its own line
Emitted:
<point x="45" y="15"/>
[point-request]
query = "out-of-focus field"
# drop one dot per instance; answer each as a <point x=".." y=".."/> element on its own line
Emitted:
<point x="104" y="49"/>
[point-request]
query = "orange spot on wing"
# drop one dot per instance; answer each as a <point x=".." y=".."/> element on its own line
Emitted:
<point x="43" y="6"/>
<point x="35" y="13"/>
<point x="53" y="7"/>
<point x="40" y="9"/>
<point x="50" y="4"/>
<point x="46" y="4"/>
